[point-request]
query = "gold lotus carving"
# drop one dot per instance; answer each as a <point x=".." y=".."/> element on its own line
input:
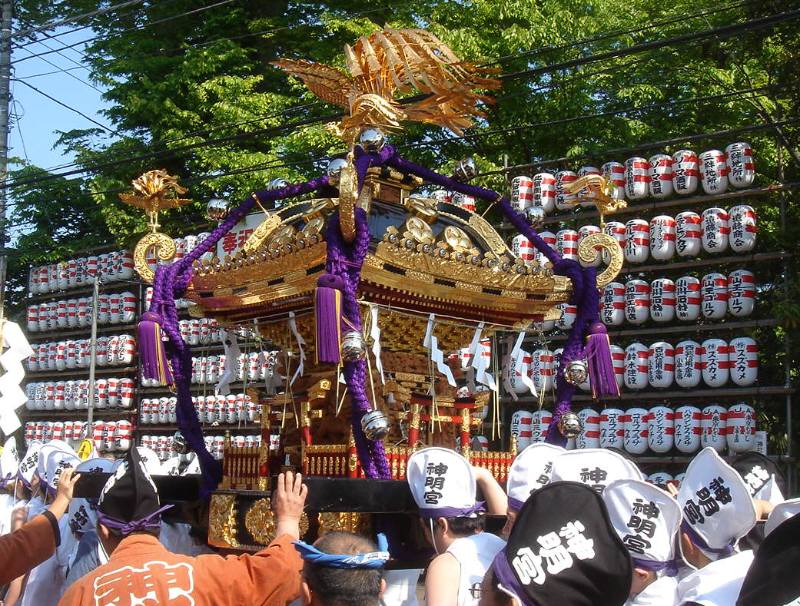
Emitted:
<point x="222" y="521"/>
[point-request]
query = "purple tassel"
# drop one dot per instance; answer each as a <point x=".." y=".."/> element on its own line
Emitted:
<point x="328" y="318"/>
<point x="601" y="366"/>
<point x="152" y="354"/>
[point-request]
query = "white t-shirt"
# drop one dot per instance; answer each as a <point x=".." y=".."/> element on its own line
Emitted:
<point x="717" y="584"/>
<point x="661" y="592"/>
<point x="475" y="554"/>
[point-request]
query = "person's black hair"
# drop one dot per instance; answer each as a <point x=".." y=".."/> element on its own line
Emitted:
<point x="466" y="527"/>
<point x="344" y="587"/>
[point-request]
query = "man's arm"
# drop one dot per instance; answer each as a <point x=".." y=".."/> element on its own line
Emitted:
<point x="442" y="581"/>
<point x="271" y="576"/>
<point x="36" y="541"/>
<point x="496" y="499"/>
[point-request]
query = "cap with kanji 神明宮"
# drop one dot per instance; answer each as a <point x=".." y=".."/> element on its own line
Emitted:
<point x="82" y="513"/>
<point x="442" y="483"/>
<point x="772" y="578"/>
<point x="129" y="500"/>
<point x="595" y="467"/>
<point x="54" y="457"/>
<point x="717" y="507"/>
<point x="530" y="471"/>
<point x="647" y="519"/>
<point x="29" y="465"/>
<point x="564" y="550"/>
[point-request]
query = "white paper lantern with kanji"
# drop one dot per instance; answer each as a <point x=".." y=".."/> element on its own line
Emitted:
<point x="635" y="438"/>
<point x="687" y="298"/>
<point x="565" y="200"/>
<point x="614" y="172"/>
<point x="661" y="365"/>
<point x="637" y="241"/>
<point x="637" y="301"/>
<point x="716" y="362"/>
<point x="616" y="230"/>
<point x="540" y="425"/>
<point x="739" y="157"/>
<point x="713" y="172"/>
<point x="688" y="364"/>
<point x="713" y="427"/>
<point x="687" y="428"/>
<point x="660" y="429"/>
<point x="636" y="366"/>
<point x="743" y="352"/>
<point x="662" y="237"/>
<point x="612" y="304"/>
<point x="741" y="293"/>
<point x="741" y="428"/>
<point x="685" y="172"/>
<point x="716" y="227"/>
<point x="590" y="434"/>
<point x="742" y="237"/>
<point x="612" y="428"/>
<point x="662" y="300"/>
<point x="714" y="290"/>
<point x="660" y="176"/>
<point x="544" y="192"/>
<point x="542" y="371"/>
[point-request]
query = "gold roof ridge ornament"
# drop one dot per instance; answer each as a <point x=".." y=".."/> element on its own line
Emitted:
<point x="155" y="190"/>
<point x="390" y="63"/>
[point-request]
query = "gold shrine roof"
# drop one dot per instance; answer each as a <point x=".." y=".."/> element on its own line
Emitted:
<point x="425" y="256"/>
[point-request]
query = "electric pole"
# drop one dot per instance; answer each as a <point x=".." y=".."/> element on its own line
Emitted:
<point x="6" y="13"/>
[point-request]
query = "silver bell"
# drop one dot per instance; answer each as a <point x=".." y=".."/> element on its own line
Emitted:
<point x="375" y="425"/>
<point x="276" y="184"/>
<point x="372" y="139"/>
<point x="570" y="425"/>
<point x="354" y="347"/>
<point x="217" y="209"/>
<point x="179" y="443"/>
<point x="576" y="372"/>
<point x="465" y="170"/>
<point x="535" y="216"/>
<point x="335" y="167"/>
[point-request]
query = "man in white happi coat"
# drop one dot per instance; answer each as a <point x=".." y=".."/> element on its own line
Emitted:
<point x="444" y="486"/>
<point x="647" y="520"/>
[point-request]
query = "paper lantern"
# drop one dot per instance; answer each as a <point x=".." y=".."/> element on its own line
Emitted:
<point x="637" y="241"/>
<point x="685" y="172"/>
<point x="544" y="192"/>
<point x="612" y="428"/>
<point x="687" y="298"/>
<point x="716" y="362"/>
<point x="660" y="176"/>
<point x="741" y="293"/>
<point x="713" y="427"/>
<point x="716" y="228"/>
<point x="635" y="428"/>
<point x="688" y="364"/>
<point x="740" y="164"/>
<point x="637" y="178"/>
<point x="636" y="366"/>
<point x="743" y="228"/>
<point x="612" y="304"/>
<point x="743" y="353"/>
<point x="740" y="428"/>
<point x="661" y="365"/>
<point x="565" y="200"/>
<point x="687" y="429"/>
<point x="714" y="290"/>
<point x="637" y="301"/>
<point x="662" y="237"/>
<point x="713" y="172"/>
<point x="662" y="300"/>
<point x="660" y="429"/>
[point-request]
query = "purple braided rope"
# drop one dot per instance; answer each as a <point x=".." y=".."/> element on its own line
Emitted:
<point x="170" y="283"/>
<point x="345" y="261"/>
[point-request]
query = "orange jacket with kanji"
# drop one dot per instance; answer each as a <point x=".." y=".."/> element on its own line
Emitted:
<point x="142" y="572"/>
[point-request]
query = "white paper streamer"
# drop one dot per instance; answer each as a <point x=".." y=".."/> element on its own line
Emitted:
<point x="479" y="363"/>
<point x="300" y="343"/>
<point x="11" y="394"/>
<point x="375" y="335"/>
<point x="432" y="344"/>
<point x="231" y="346"/>
<point x="517" y="353"/>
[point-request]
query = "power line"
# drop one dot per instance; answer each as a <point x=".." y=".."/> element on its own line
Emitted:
<point x="54" y="24"/>
<point x="69" y="107"/>
<point x="135" y="28"/>
<point x="17" y="122"/>
<point x="70" y="74"/>
<point x="61" y="70"/>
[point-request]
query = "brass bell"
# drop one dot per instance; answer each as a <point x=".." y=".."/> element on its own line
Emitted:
<point x="375" y="425"/>
<point x="354" y="347"/>
<point x="217" y="209"/>
<point x="372" y="139"/>
<point x="570" y="425"/>
<point x="576" y="372"/>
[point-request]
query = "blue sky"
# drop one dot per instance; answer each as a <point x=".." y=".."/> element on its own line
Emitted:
<point x="40" y="117"/>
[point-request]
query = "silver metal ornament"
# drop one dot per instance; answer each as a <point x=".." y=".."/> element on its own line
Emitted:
<point x="375" y="425"/>
<point x="576" y="372"/>
<point x="372" y="139"/>
<point x="217" y="209"/>
<point x="354" y="347"/>
<point x="335" y="167"/>
<point x="535" y="216"/>
<point x="179" y="443"/>
<point x="570" y="425"/>
<point x="278" y="183"/>
<point x="465" y="170"/>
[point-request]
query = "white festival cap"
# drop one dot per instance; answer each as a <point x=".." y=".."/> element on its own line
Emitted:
<point x="595" y="467"/>
<point x="150" y="460"/>
<point x="30" y="463"/>
<point x="442" y="483"/>
<point x="9" y="461"/>
<point x="82" y="513"/>
<point x="55" y="457"/>
<point x="530" y="471"/>
<point x="781" y="513"/>
<point x="647" y="519"/>
<point x="193" y="468"/>
<point x="717" y="507"/>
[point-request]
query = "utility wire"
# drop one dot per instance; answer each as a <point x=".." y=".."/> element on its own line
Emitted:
<point x="69" y="107"/>
<point x="68" y="73"/>
<point x="53" y="24"/>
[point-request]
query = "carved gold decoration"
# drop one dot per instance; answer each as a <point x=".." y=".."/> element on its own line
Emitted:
<point x="260" y="521"/>
<point x="424" y="208"/>
<point x="588" y="254"/>
<point x="163" y="248"/>
<point x="457" y="239"/>
<point x="348" y="196"/>
<point x="418" y="230"/>
<point x="262" y="232"/>
<point x="222" y="521"/>
<point x="155" y="190"/>
<point x="344" y="521"/>
<point x="390" y="63"/>
<point x="596" y="190"/>
<point x="283" y="235"/>
<point x="489" y="234"/>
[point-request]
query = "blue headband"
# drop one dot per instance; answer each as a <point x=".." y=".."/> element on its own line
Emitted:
<point x="373" y="560"/>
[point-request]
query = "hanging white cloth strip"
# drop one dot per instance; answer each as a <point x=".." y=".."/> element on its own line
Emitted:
<point x="11" y="394"/>
<point x="480" y="362"/>
<point x="437" y="356"/>
<point x="375" y="335"/>
<point x="231" y="371"/>
<point x="508" y="368"/>
<point x="300" y="343"/>
<point x="517" y="355"/>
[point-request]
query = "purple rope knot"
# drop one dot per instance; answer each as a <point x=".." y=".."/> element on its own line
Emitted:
<point x="125" y="528"/>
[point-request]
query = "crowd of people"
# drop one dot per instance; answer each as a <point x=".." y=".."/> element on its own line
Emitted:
<point x="582" y="527"/>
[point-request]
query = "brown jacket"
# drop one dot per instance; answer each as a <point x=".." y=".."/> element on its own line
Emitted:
<point x="142" y="571"/>
<point x="26" y="548"/>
